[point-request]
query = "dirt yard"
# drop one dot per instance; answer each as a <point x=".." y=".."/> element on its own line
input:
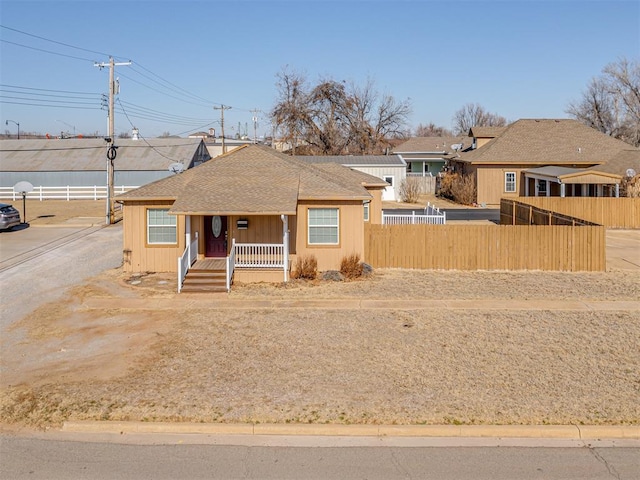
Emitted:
<point x="126" y="347"/>
<point x="182" y="362"/>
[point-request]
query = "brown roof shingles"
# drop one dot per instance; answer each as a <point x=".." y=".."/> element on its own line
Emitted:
<point x="250" y="180"/>
<point x="546" y="142"/>
<point x="431" y="144"/>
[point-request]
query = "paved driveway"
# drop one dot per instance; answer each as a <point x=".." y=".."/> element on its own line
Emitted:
<point x="623" y="249"/>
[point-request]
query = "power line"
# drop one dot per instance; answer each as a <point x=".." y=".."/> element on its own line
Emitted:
<point x="47" y="90"/>
<point x="162" y="93"/>
<point x="166" y="84"/>
<point x="47" y="51"/>
<point x="45" y="105"/>
<point x="196" y="97"/>
<point x="53" y="41"/>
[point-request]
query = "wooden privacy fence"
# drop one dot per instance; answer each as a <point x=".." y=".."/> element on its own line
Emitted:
<point x="608" y="211"/>
<point x="426" y="183"/>
<point x="513" y="212"/>
<point x="486" y="247"/>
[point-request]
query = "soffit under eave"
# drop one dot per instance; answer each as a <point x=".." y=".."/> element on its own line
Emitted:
<point x="316" y="198"/>
<point x="590" y="178"/>
<point x="226" y="213"/>
<point x="143" y="199"/>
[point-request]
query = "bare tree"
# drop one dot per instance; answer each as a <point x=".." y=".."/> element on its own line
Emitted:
<point x="290" y="111"/>
<point x="474" y="115"/>
<point x="432" y="130"/>
<point x="333" y="117"/>
<point x="611" y="102"/>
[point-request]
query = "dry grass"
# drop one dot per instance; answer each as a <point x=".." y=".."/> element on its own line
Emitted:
<point x="324" y="365"/>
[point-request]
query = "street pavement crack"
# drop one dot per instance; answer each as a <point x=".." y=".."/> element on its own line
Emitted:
<point x="398" y="465"/>
<point x="612" y="471"/>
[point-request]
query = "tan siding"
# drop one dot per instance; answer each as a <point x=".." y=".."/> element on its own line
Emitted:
<point x="351" y="234"/>
<point x="592" y="178"/>
<point x="137" y="255"/>
<point x="262" y="229"/>
<point x="490" y="181"/>
<point x="375" y="207"/>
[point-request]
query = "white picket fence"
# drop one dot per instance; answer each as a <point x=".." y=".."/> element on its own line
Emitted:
<point x="431" y="216"/>
<point x="95" y="192"/>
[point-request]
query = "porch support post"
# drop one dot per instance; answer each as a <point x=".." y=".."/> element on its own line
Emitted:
<point x="617" y="190"/>
<point x="187" y="233"/>
<point x="285" y="242"/>
<point x="548" y="188"/>
<point x="562" y="190"/>
<point x="526" y="185"/>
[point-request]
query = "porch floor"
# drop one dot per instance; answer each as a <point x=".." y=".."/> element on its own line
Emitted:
<point x="210" y="264"/>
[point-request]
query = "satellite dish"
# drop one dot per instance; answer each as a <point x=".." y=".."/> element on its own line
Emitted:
<point x="176" y="167"/>
<point x="456" y="146"/>
<point x="23" y="187"/>
<point x="630" y="173"/>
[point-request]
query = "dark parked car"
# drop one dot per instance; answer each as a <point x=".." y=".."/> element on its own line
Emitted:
<point x="9" y="216"/>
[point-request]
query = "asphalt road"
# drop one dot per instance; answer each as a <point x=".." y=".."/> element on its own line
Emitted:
<point x="29" y="458"/>
<point x="490" y="214"/>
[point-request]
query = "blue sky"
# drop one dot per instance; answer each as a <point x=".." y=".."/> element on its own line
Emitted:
<point x="519" y="59"/>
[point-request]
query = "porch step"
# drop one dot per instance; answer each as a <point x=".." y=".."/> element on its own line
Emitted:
<point x="205" y="281"/>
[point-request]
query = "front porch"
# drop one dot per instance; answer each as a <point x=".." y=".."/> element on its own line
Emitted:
<point x="245" y="262"/>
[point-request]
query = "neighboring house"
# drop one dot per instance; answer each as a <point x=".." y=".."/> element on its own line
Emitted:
<point x="390" y="168"/>
<point x="214" y="145"/>
<point x="598" y="181"/>
<point x="427" y="156"/>
<point x="83" y="162"/>
<point x="536" y="157"/>
<point x="249" y="214"/>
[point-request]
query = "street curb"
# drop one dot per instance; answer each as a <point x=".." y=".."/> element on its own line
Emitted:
<point x="579" y="432"/>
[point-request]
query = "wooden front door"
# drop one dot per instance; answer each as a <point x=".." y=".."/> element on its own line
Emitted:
<point x="216" y="236"/>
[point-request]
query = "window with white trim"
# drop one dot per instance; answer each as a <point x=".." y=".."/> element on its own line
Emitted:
<point x="510" y="182"/>
<point x="366" y="211"/>
<point x="323" y="226"/>
<point x="162" y="228"/>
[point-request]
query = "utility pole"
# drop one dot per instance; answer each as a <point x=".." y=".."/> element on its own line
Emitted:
<point x="111" y="148"/>
<point x="222" y="108"/>
<point x="255" y="112"/>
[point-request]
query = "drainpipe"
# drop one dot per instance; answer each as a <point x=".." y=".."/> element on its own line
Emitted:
<point x="285" y="241"/>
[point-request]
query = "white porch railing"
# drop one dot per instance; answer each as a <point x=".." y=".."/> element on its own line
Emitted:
<point x="259" y="255"/>
<point x="187" y="258"/>
<point x="431" y="216"/>
<point x="231" y="263"/>
<point x="93" y="192"/>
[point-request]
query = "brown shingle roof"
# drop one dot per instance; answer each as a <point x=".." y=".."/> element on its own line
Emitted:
<point x="547" y="142"/>
<point x="620" y="163"/>
<point x="431" y="144"/>
<point x="486" y="132"/>
<point x="250" y="180"/>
